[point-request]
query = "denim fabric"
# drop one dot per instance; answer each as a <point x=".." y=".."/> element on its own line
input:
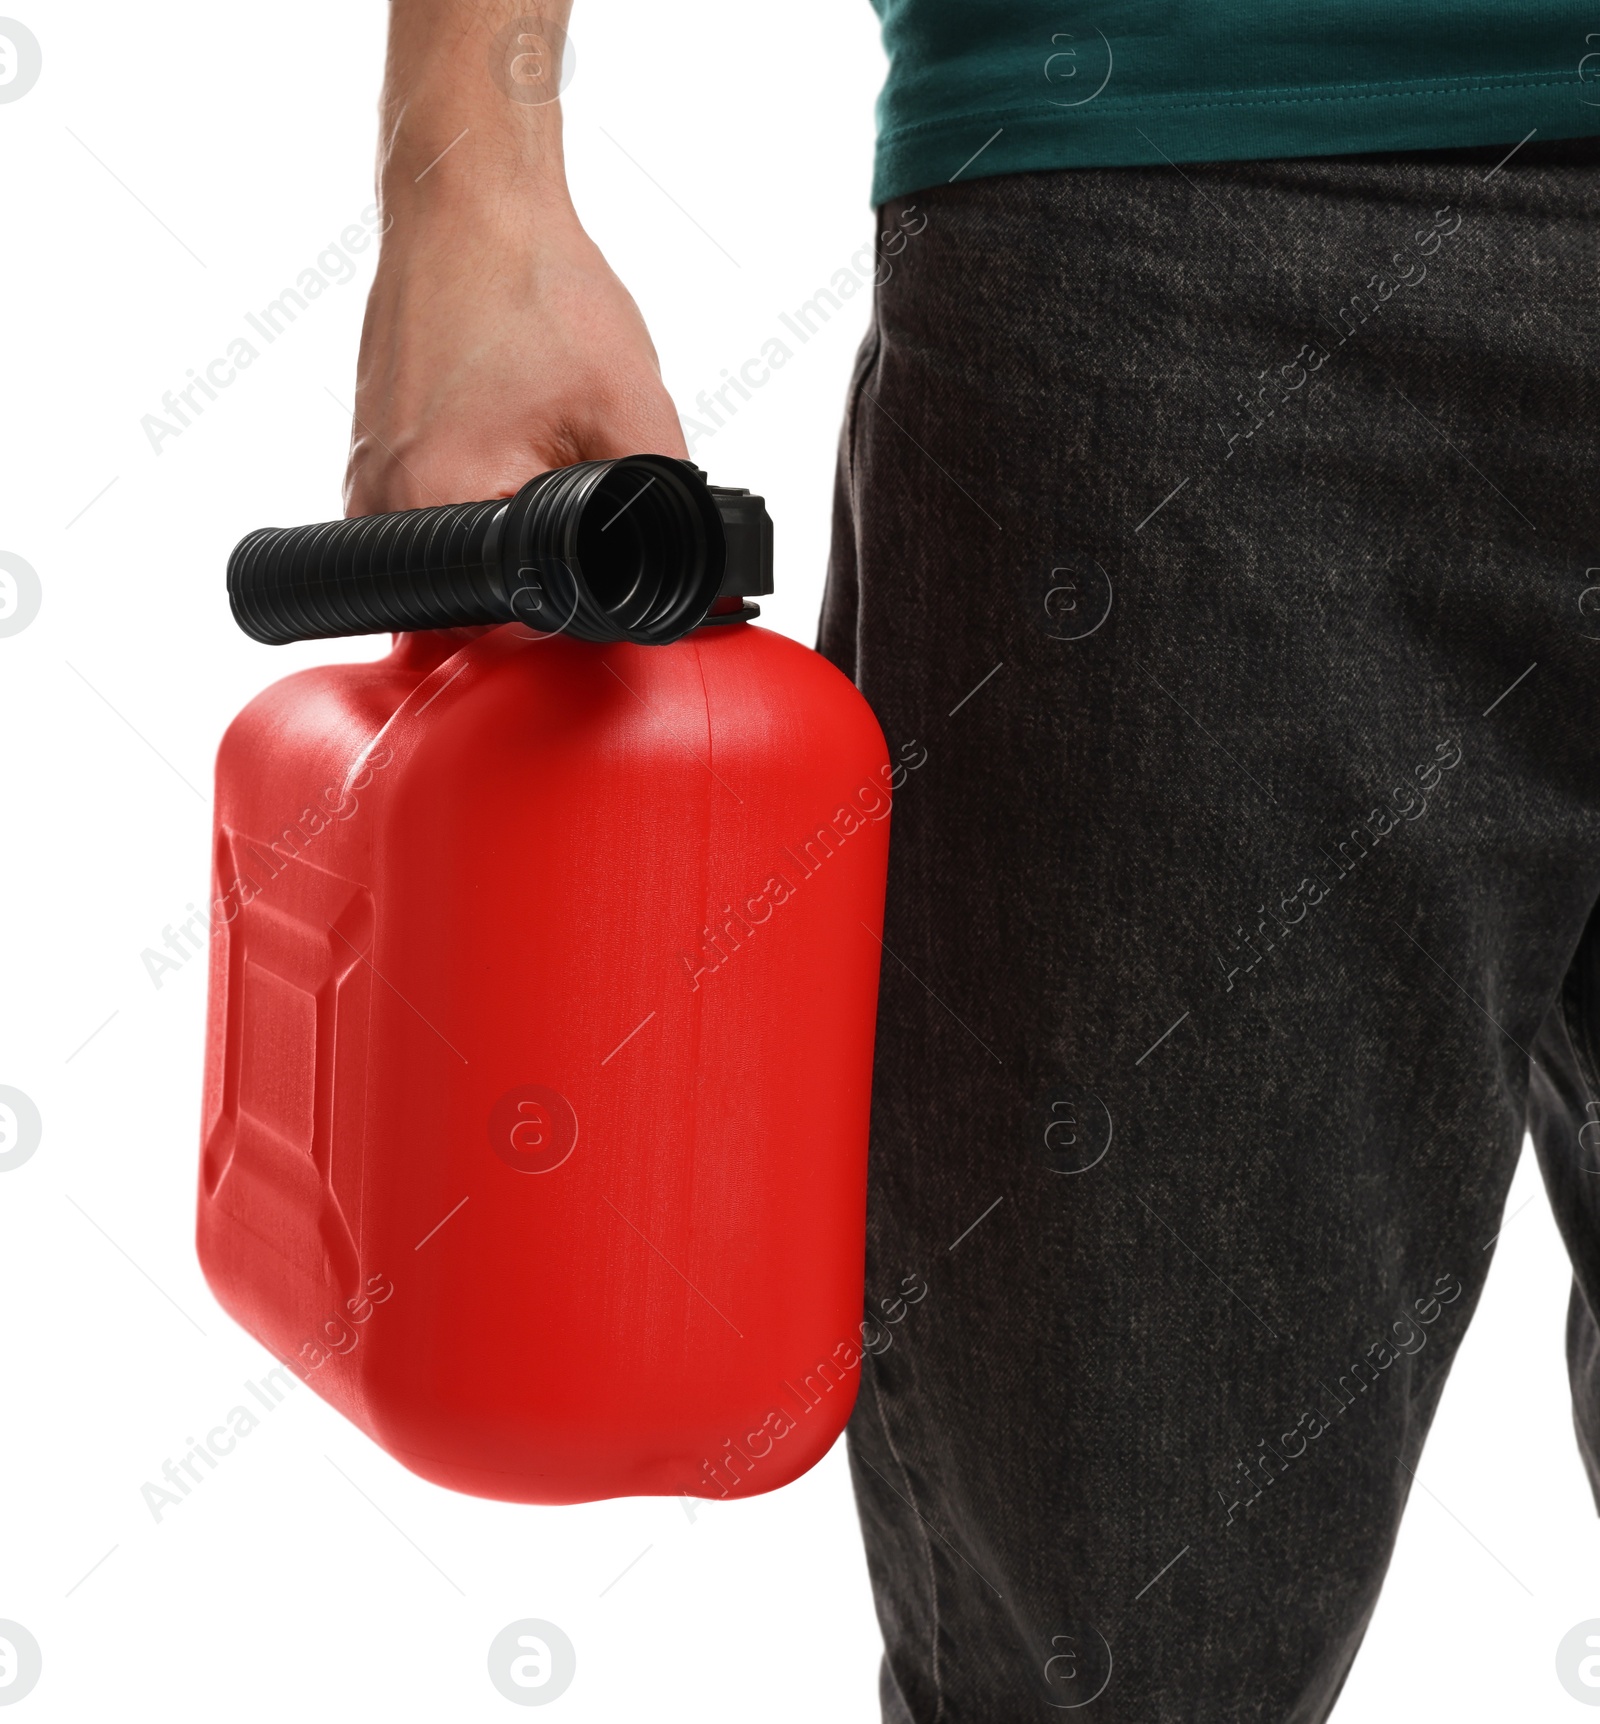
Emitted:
<point x="1215" y="547"/>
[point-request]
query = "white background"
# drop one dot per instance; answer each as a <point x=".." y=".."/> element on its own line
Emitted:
<point x="233" y="144"/>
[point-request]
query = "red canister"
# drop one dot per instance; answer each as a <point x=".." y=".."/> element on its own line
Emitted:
<point x="542" y="993"/>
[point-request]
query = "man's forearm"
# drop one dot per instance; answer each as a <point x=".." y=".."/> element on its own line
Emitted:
<point x="469" y="117"/>
<point x="497" y="340"/>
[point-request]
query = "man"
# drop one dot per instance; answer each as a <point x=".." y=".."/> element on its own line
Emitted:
<point x="1216" y="503"/>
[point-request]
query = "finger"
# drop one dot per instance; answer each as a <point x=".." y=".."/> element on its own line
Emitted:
<point x="639" y="419"/>
<point x="460" y="463"/>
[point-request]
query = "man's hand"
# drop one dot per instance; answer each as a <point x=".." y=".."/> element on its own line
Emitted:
<point x="497" y="340"/>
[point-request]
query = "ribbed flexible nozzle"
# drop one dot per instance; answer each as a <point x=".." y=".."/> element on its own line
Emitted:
<point x="637" y="549"/>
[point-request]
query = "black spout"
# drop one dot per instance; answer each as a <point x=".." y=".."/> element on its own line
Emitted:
<point x="637" y="549"/>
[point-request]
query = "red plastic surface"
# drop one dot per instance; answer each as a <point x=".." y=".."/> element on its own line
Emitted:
<point x="539" y="1053"/>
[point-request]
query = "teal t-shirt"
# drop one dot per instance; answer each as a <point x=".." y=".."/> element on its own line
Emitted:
<point x="997" y="86"/>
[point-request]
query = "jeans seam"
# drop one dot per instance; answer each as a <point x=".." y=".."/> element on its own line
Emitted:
<point x="927" y="1546"/>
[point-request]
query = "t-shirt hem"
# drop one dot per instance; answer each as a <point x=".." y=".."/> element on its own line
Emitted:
<point x="1228" y="126"/>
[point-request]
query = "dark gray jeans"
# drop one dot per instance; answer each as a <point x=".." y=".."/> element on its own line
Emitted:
<point x="1215" y="547"/>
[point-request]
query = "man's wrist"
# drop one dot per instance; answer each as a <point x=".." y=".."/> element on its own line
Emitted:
<point x="472" y="168"/>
